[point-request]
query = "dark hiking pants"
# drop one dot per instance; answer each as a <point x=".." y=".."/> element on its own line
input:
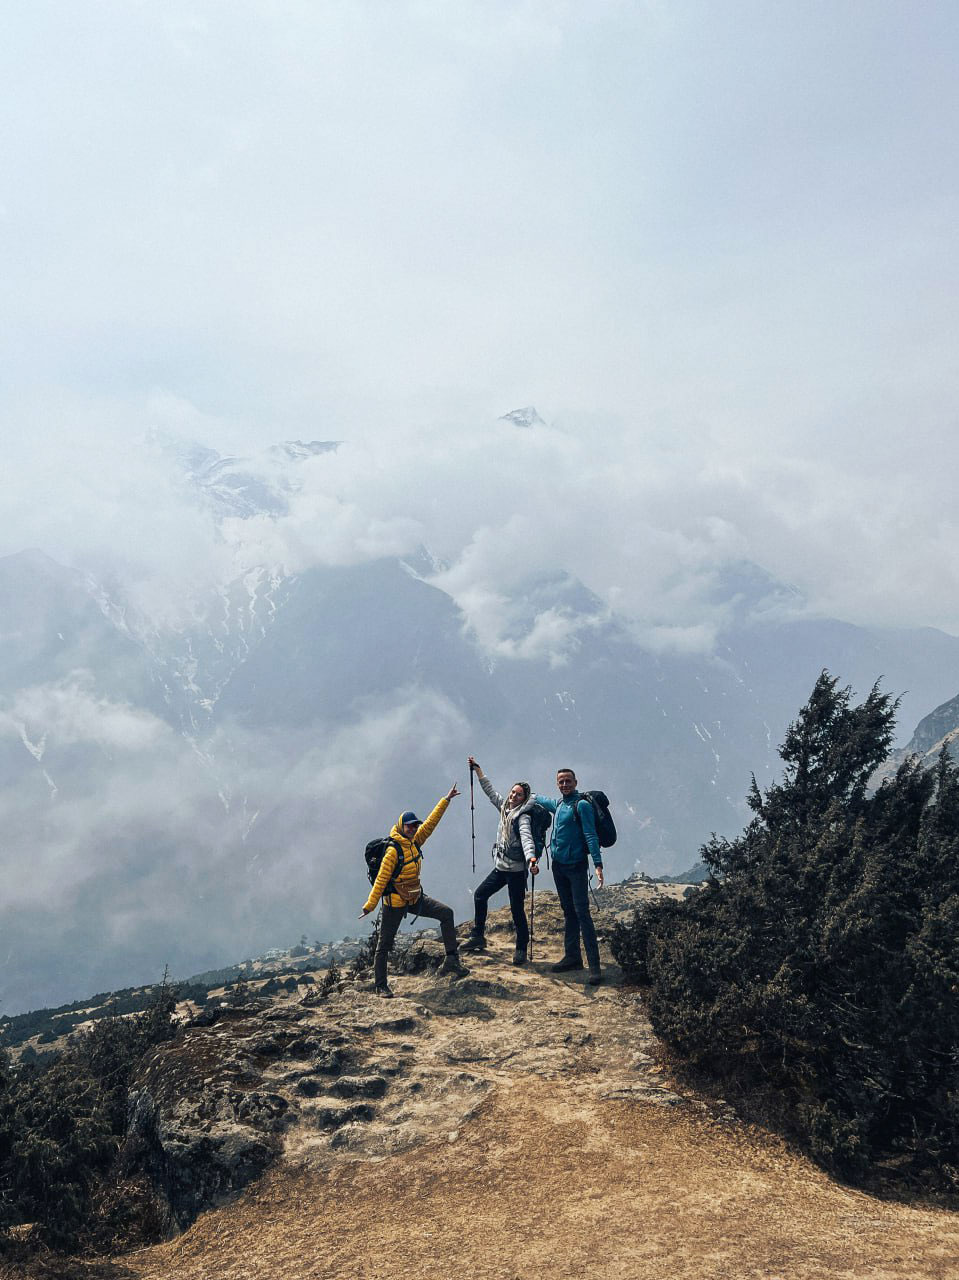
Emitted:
<point x="572" y="887"/>
<point x="515" y="881"/>
<point x="392" y="917"/>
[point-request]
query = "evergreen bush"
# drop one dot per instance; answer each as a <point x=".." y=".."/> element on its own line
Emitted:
<point x="818" y="968"/>
<point x="61" y="1122"/>
<point x="629" y="943"/>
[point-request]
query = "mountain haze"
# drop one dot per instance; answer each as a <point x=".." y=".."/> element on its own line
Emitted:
<point x="186" y="781"/>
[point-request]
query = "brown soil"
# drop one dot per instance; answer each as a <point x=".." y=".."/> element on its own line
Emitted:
<point x="552" y="1145"/>
<point x="542" y="1183"/>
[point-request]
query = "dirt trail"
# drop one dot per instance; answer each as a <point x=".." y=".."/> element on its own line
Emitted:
<point x="524" y="1128"/>
<point x="542" y="1184"/>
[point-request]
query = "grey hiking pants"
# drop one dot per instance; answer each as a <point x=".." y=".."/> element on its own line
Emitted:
<point x="392" y="917"/>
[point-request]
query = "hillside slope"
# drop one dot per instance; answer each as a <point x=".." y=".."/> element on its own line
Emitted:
<point x="516" y="1124"/>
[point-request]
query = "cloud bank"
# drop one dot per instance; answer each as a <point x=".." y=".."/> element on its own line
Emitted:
<point x="649" y="525"/>
<point x="137" y="862"/>
<point x="715" y="248"/>
<point x="713" y="245"/>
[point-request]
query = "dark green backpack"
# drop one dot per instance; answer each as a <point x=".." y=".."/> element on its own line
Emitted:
<point x="605" y="826"/>
<point x="540" y="821"/>
<point x="375" y="852"/>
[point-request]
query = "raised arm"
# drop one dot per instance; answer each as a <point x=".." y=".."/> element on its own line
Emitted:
<point x="426" y="829"/>
<point x="489" y="791"/>
<point x="493" y="796"/>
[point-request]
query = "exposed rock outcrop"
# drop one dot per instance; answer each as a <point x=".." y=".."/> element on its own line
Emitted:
<point x="343" y="1074"/>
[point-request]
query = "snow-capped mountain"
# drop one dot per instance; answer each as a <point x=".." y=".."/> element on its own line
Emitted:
<point x="242" y="486"/>
<point x="195" y="787"/>
<point x="526" y="417"/>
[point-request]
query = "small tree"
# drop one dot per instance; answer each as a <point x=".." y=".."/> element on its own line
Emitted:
<point x="819" y="966"/>
<point x="363" y="960"/>
<point x="331" y="978"/>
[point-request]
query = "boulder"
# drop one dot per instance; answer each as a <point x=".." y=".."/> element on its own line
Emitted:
<point x="360" y="1087"/>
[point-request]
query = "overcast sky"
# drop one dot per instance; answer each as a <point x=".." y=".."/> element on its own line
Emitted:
<point x="713" y="243"/>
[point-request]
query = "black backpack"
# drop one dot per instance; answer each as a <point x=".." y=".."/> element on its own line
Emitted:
<point x="605" y="826"/>
<point x="375" y="852"/>
<point x="540" y="821"/>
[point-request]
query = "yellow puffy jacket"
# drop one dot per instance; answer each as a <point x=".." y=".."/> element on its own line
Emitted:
<point x="407" y="883"/>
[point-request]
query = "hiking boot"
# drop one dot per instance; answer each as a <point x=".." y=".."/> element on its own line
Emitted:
<point x="567" y="962"/>
<point x="453" y="966"/>
<point x="475" y="942"/>
<point x="595" y="977"/>
<point x="519" y="956"/>
<point x="383" y="991"/>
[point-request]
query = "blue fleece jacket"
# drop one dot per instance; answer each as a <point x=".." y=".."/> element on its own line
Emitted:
<point x="571" y="841"/>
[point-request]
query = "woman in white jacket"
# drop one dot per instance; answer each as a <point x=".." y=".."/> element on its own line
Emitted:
<point x="514" y="853"/>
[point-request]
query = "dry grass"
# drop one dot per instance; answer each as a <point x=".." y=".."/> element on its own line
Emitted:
<point x="583" y="1160"/>
<point x="543" y="1183"/>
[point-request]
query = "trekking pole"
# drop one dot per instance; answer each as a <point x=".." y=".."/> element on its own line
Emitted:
<point x="592" y="891"/>
<point x="532" y="912"/>
<point x="472" y="818"/>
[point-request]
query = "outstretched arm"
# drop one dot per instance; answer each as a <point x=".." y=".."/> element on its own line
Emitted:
<point x="492" y="795"/>
<point x="489" y="791"/>
<point x="426" y="829"/>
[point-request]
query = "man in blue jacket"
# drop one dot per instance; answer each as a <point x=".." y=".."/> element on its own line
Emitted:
<point x="574" y="841"/>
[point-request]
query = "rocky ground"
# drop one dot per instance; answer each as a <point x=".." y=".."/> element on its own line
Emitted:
<point x="513" y="1123"/>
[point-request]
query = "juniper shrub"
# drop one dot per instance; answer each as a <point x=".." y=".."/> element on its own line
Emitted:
<point x="820" y="963"/>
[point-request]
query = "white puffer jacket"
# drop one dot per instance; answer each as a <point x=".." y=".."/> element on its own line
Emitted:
<point x="513" y="852"/>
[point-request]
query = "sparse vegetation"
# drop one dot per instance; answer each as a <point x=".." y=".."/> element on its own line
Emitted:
<point x="362" y="962"/>
<point x="51" y="1024"/>
<point x="61" y="1123"/>
<point x="331" y="979"/>
<point x="239" y="993"/>
<point x="817" y="971"/>
<point x="411" y="956"/>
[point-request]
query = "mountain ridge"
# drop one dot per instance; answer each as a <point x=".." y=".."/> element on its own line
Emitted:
<point x="199" y="755"/>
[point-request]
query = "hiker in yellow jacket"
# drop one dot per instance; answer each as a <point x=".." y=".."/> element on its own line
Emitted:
<point x="398" y="884"/>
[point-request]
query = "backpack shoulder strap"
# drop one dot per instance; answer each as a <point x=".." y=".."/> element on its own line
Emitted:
<point x="400" y="859"/>
<point x="395" y="844"/>
<point x="579" y="817"/>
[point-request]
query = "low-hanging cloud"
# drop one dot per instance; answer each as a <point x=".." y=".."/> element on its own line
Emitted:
<point x="174" y="857"/>
<point x="387" y="226"/>
<point x="69" y="712"/>
<point x="248" y="227"/>
<point x="646" y="526"/>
